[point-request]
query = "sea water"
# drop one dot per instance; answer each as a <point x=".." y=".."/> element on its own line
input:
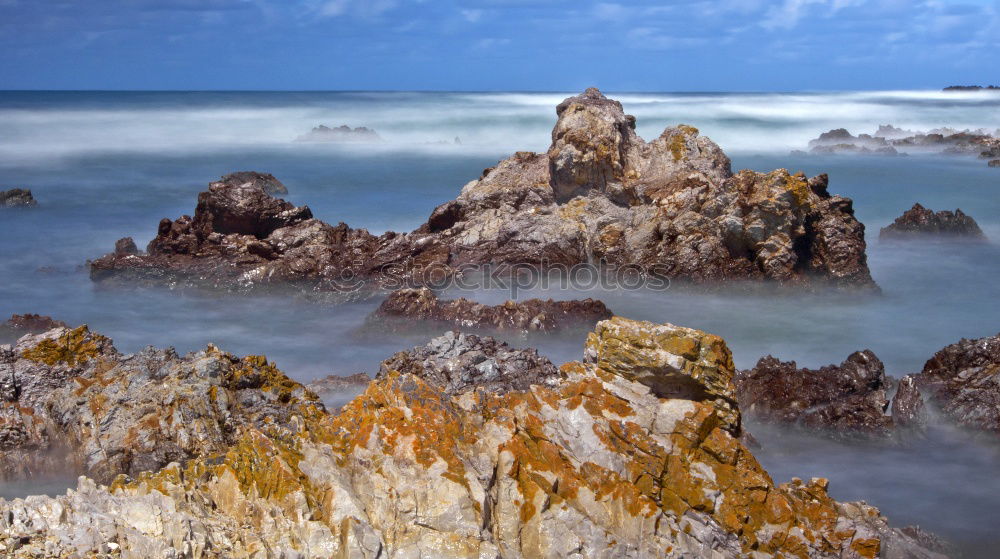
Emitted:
<point x="105" y="165"/>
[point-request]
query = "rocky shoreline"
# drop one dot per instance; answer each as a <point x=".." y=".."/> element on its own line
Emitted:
<point x="632" y="452"/>
<point x="669" y="208"/>
<point x="891" y="141"/>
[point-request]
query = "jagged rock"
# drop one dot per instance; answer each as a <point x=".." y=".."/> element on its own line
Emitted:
<point x="457" y="362"/>
<point x="919" y="220"/>
<point x="889" y="140"/>
<point x="341" y="133"/>
<point x="671" y="208"/>
<point x="908" y="409"/>
<point x="16" y="197"/>
<point x="72" y="402"/>
<point x="845" y="400"/>
<point x="593" y="465"/>
<point x="963" y="381"/>
<point x="264" y="181"/>
<point x="406" y="308"/>
<point x="125" y="247"/>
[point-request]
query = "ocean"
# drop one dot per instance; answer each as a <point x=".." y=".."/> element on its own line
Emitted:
<point x="105" y="165"/>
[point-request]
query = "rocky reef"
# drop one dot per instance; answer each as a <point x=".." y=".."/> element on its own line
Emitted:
<point x="16" y="197"/>
<point x="670" y="208"/>
<point x="889" y="140"/>
<point x="342" y="133"/>
<point x="407" y="309"/>
<point x="633" y="452"/>
<point x="920" y="221"/>
<point x="20" y="324"/>
<point x="963" y="381"/>
<point x="846" y="401"/>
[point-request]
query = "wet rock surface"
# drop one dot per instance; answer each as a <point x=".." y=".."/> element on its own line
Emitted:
<point x="594" y="464"/>
<point x="920" y="221"/>
<point x="406" y="309"/>
<point x="342" y="133"/>
<point x="963" y="382"/>
<point x="849" y="399"/>
<point x="670" y="207"/>
<point x="457" y="362"/>
<point x="17" y="197"/>
<point x="264" y="181"/>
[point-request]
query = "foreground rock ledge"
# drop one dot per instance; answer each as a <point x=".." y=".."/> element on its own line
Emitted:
<point x="594" y="464"/>
<point x="671" y="207"/>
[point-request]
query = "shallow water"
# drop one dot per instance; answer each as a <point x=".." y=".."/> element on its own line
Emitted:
<point x="107" y="165"/>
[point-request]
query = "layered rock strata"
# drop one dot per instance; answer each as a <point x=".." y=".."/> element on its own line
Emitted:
<point x="606" y="461"/>
<point x="668" y="208"/>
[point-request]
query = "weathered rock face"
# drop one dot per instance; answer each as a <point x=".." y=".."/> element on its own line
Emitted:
<point x="342" y="133"/>
<point x="264" y="181"/>
<point x="70" y="401"/>
<point x="918" y="221"/>
<point x="407" y="308"/>
<point x="963" y="381"/>
<point x="846" y="400"/>
<point x="670" y="207"/>
<point x="595" y="465"/>
<point x="16" y="197"/>
<point x="20" y="324"/>
<point x="908" y="409"/>
<point x="458" y="362"/>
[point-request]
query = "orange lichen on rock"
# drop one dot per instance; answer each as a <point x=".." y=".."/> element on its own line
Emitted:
<point x="73" y="347"/>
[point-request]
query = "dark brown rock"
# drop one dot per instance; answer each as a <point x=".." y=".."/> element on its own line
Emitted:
<point x="994" y="163"/>
<point x="963" y="381"/>
<point x="846" y="399"/>
<point x="908" y="409"/>
<point x="21" y="324"/>
<point x="264" y="181"/>
<point x="670" y="207"/>
<point x="16" y="197"/>
<point x="125" y="247"/>
<point x="457" y="362"/>
<point x="919" y="220"/>
<point x="406" y="306"/>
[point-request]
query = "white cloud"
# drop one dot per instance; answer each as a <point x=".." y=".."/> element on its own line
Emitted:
<point x="472" y="16"/>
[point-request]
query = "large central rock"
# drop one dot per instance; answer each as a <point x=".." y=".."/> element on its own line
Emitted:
<point x="601" y="195"/>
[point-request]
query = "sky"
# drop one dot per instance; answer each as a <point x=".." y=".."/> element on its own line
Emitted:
<point x="489" y="45"/>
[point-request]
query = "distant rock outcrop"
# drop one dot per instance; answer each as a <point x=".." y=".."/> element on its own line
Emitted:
<point x="889" y="140"/>
<point x="970" y="87"/>
<point x="20" y="324"/>
<point x="669" y="208"/>
<point x="16" y="197"/>
<point x="920" y="221"/>
<point x="341" y="133"/>
<point x="408" y="308"/>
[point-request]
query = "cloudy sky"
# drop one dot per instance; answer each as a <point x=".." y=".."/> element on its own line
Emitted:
<point x="548" y="45"/>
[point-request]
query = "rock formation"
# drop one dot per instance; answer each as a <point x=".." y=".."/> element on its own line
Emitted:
<point x="920" y="221"/>
<point x="335" y="391"/>
<point x="845" y="400"/>
<point x="408" y="308"/>
<point x="20" y="324"/>
<point x="341" y="133"/>
<point x="994" y="163"/>
<point x="668" y="208"/>
<point x="264" y="181"/>
<point x="963" y="381"/>
<point x="16" y="197"/>
<point x="889" y="140"/>
<point x="594" y="464"/>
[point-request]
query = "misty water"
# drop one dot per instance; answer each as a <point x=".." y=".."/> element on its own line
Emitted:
<point x="109" y="165"/>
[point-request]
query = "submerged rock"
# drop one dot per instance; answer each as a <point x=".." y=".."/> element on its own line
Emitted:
<point x="16" y="197"/>
<point x="592" y="465"/>
<point x="406" y="308"/>
<point x="963" y="381"/>
<point x="845" y="400"/>
<point x="919" y="220"/>
<point x="342" y="133"/>
<point x="669" y="208"/>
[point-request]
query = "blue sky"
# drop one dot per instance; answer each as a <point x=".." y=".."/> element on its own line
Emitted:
<point x="686" y="45"/>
